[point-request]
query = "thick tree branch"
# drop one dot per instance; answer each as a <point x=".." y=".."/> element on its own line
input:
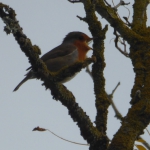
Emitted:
<point x="102" y="102"/>
<point x="138" y="116"/>
<point x="59" y="91"/>
<point x="127" y="131"/>
<point x="120" y="117"/>
<point x="134" y="123"/>
<point x="111" y="16"/>
<point x="139" y="16"/>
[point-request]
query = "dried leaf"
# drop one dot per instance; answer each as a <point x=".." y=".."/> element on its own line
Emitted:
<point x="38" y="129"/>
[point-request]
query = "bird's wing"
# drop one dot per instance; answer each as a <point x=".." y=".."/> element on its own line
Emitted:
<point x="60" y="56"/>
<point x="59" y="51"/>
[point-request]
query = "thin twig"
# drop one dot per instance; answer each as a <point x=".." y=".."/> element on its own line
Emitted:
<point x="119" y="116"/>
<point x="75" y="1"/>
<point x="89" y="72"/>
<point x="128" y="23"/>
<point x="113" y="91"/>
<point x="113" y="3"/>
<point x="43" y="129"/>
<point x="110" y="97"/>
<point x="119" y="4"/>
<point x="83" y="19"/>
<point x="116" y="10"/>
<point x="67" y="140"/>
<point x="147" y="131"/>
<point x="123" y="43"/>
<point x="128" y="11"/>
<point x="116" y="45"/>
<point x="107" y="3"/>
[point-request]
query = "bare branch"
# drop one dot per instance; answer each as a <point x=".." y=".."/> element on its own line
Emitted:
<point x="83" y="19"/>
<point x="128" y="23"/>
<point x="107" y="3"/>
<point x="89" y="72"/>
<point x="43" y="129"/>
<point x="111" y="16"/>
<point x="75" y="1"/>
<point x="139" y="22"/>
<point x="120" y="117"/>
<point x="119" y="4"/>
<point x="128" y="11"/>
<point x="110" y="97"/>
<point x="147" y="131"/>
<point x="102" y="102"/>
<point x="115" y="89"/>
<point x="116" y="45"/>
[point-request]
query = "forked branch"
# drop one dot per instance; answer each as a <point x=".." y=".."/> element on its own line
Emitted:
<point x="124" y="52"/>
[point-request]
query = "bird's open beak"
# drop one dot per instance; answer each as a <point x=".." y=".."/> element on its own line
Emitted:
<point x="88" y="42"/>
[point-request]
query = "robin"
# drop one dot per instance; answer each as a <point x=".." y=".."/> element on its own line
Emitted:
<point x="73" y="48"/>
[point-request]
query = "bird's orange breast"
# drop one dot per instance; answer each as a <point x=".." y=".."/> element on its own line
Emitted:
<point x="82" y="48"/>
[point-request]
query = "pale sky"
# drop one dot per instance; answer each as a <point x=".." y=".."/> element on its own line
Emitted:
<point x="46" y="23"/>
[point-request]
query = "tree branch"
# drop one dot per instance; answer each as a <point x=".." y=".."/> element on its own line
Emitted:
<point x="89" y="72"/>
<point x="111" y="16"/>
<point x="127" y="21"/>
<point x="83" y="19"/>
<point x="120" y="117"/>
<point x="107" y="3"/>
<point x="116" y="45"/>
<point x="102" y="102"/>
<point x="75" y="1"/>
<point x="139" y="16"/>
<point x="110" y="97"/>
<point x="119" y="4"/>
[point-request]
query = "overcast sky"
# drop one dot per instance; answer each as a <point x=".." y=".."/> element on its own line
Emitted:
<point x="46" y="23"/>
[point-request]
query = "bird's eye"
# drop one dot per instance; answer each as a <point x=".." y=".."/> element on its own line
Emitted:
<point x="81" y="38"/>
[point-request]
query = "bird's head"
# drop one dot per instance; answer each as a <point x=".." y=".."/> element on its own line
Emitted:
<point x="78" y="38"/>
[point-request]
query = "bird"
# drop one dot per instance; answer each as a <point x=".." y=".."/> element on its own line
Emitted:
<point x="73" y="48"/>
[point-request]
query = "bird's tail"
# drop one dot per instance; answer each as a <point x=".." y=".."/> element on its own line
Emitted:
<point x="29" y="75"/>
<point x="18" y="86"/>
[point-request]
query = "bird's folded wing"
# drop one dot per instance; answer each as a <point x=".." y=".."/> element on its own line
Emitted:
<point x="59" y="57"/>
